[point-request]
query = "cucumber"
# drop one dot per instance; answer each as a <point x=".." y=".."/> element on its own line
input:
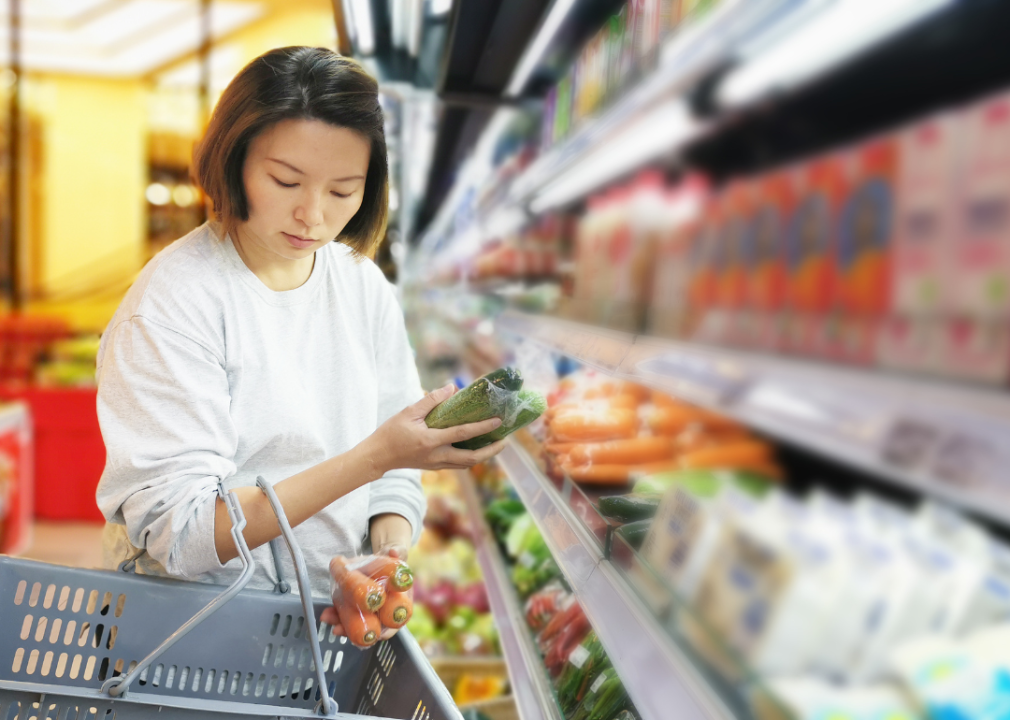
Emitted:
<point x="529" y="406"/>
<point x="629" y="508"/>
<point x="634" y="533"/>
<point x="486" y="397"/>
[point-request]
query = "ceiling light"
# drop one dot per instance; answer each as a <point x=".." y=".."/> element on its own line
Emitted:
<point x="662" y="130"/>
<point x="158" y="194"/>
<point x="828" y="38"/>
<point x="364" y="30"/>
<point x="535" y="51"/>
<point x="438" y="8"/>
<point x="184" y="195"/>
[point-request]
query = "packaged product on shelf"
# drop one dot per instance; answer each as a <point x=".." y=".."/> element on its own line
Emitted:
<point x="863" y="247"/>
<point x="703" y="285"/>
<point x="736" y="203"/>
<point x="810" y="241"/>
<point x="981" y="257"/>
<point x="975" y="349"/>
<point x="810" y="698"/>
<point x="962" y="678"/>
<point x="766" y="259"/>
<point x="926" y="216"/>
<point x="670" y="285"/>
<point x="544" y="604"/>
<point x="912" y="343"/>
<point x="615" y="52"/>
<point x="584" y="664"/>
<point x="604" y="699"/>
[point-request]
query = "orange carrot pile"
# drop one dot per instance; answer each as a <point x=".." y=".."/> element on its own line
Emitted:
<point x="370" y="594"/>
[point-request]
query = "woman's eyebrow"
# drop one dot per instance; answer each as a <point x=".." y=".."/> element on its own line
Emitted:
<point x="302" y="172"/>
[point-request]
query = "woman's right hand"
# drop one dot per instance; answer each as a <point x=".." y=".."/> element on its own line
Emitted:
<point x="405" y="441"/>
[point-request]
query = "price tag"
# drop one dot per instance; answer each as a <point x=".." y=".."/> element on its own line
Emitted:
<point x="909" y="443"/>
<point x="965" y="460"/>
<point x="598" y="682"/>
<point x="578" y="657"/>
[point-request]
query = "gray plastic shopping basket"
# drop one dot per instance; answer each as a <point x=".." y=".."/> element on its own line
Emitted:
<point x="91" y="645"/>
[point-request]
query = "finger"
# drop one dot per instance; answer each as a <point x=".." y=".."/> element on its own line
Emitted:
<point x="387" y="633"/>
<point x="330" y="617"/>
<point x="470" y="430"/>
<point x="426" y="404"/>
<point x="469" y="458"/>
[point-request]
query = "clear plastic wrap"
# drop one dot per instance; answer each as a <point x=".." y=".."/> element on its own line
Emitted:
<point x="371" y="594"/>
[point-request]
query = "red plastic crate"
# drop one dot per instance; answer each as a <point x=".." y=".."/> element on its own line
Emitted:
<point x="69" y="451"/>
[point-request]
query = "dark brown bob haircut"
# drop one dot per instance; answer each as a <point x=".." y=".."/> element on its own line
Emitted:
<point x="294" y="83"/>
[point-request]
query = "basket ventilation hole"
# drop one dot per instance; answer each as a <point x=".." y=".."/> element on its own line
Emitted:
<point x="85" y="633"/>
<point x="183" y="678"/>
<point x="106" y="603"/>
<point x="260" y="685"/>
<point x="208" y="684"/>
<point x="110" y="714"/>
<point x="75" y="666"/>
<point x="50" y="596"/>
<point x="103" y="669"/>
<point x="299" y="626"/>
<point x="273" y="623"/>
<point x="307" y="693"/>
<point x="61" y="665"/>
<point x="247" y="685"/>
<point x="285" y="684"/>
<point x="54" y="634"/>
<point x="33" y="661"/>
<point x="420" y="712"/>
<point x="296" y="688"/>
<point x="19" y="597"/>
<point x="279" y="657"/>
<point x="52" y="712"/>
<point x="156" y="679"/>
<point x="287" y="626"/>
<point x="272" y="687"/>
<point x="321" y="632"/>
<point x="222" y="682"/>
<point x="236" y="680"/>
<point x="40" y="629"/>
<point x="99" y="631"/>
<point x="26" y="627"/>
<point x="47" y="663"/>
<point x="19" y="656"/>
<point x="61" y="604"/>
<point x="303" y="659"/>
<point x="120" y="604"/>
<point x="170" y="676"/>
<point x="69" y="635"/>
<point x="292" y="654"/>
<point x="327" y="656"/>
<point x="70" y="712"/>
<point x="89" y="669"/>
<point x="331" y="688"/>
<point x="33" y="599"/>
<point x="113" y="633"/>
<point x="78" y="600"/>
<point x="197" y="677"/>
<point x="266" y="653"/>
<point x="338" y="661"/>
<point x="92" y="714"/>
<point x="92" y="602"/>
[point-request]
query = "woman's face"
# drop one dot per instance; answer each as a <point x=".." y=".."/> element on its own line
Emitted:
<point x="304" y="180"/>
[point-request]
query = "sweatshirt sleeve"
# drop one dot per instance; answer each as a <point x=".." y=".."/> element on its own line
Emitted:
<point x="163" y="408"/>
<point x="398" y="491"/>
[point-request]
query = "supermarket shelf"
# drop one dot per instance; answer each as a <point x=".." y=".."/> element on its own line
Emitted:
<point x="944" y="440"/>
<point x="530" y="687"/>
<point x="659" y="677"/>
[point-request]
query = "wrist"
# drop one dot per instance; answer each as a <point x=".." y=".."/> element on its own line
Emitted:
<point x="372" y="457"/>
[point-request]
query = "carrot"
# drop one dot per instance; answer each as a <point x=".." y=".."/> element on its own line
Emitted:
<point x="673" y="420"/>
<point x="715" y="421"/>
<point x="560" y="448"/>
<point x="362" y="628"/>
<point x="630" y="451"/>
<point x="641" y="393"/>
<point x="357" y="588"/>
<point x="729" y="455"/>
<point x="397" y="610"/>
<point x="583" y="427"/>
<point x="662" y="400"/>
<point x="612" y="474"/>
<point x="697" y="437"/>
<point x="394" y="573"/>
<point x="604" y="389"/>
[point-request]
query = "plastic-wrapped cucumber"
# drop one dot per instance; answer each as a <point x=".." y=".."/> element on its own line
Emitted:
<point x="606" y="697"/>
<point x="629" y="508"/>
<point x="528" y="407"/>
<point x="634" y="533"/>
<point x="491" y="395"/>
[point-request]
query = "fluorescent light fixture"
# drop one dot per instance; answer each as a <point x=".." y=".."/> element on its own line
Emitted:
<point x="398" y="23"/>
<point x="364" y="29"/>
<point x="660" y="131"/>
<point x="438" y="8"/>
<point x="158" y="194"/>
<point x="534" y="52"/>
<point x="415" y="27"/>
<point x="838" y="33"/>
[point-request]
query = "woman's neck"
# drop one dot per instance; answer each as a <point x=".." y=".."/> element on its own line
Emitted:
<point x="278" y="274"/>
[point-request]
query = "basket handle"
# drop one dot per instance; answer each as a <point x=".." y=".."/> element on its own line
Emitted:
<point x="117" y="686"/>
<point x="328" y="707"/>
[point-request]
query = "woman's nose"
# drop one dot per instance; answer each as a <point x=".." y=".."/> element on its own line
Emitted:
<point x="310" y="209"/>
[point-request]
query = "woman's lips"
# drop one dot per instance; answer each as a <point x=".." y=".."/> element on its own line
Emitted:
<point x="298" y="241"/>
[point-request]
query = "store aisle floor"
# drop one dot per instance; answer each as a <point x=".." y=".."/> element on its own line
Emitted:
<point x="77" y="544"/>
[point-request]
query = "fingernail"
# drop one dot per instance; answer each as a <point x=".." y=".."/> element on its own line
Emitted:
<point x="497" y="422"/>
<point x="450" y="386"/>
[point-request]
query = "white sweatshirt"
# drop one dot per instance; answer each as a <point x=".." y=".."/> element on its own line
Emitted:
<point x="205" y="374"/>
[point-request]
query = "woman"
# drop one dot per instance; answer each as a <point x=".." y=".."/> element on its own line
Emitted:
<point x="258" y="345"/>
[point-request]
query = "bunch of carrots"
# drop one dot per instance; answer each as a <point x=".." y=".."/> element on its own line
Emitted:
<point x="370" y="594"/>
<point x="613" y="431"/>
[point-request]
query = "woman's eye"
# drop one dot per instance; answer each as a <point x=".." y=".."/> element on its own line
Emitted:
<point x="339" y="195"/>
<point x="284" y="184"/>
